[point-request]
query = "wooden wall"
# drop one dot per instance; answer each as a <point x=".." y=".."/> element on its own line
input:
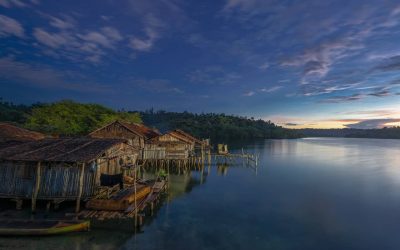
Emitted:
<point x="153" y="152"/>
<point x="116" y="130"/>
<point x="61" y="180"/>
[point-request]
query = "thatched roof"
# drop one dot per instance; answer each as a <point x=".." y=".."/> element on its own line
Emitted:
<point x="59" y="150"/>
<point x="180" y="134"/>
<point x="146" y="132"/>
<point x="8" y="143"/>
<point x="136" y="128"/>
<point x="10" y="132"/>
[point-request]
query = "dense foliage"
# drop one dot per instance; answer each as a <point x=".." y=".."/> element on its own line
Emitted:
<point x="64" y="117"/>
<point x="216" y="126"/>
<point x="14" y="113"/>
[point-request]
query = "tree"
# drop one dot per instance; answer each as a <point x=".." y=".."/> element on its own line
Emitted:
<point x="71" y="118"/>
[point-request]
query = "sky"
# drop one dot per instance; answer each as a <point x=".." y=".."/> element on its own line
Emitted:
<point x="310" y="63"/>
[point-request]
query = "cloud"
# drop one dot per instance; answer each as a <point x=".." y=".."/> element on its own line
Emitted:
<point x="375" y="113"/>
<point x="213" y="75"/>
<point x="10" y="27"/>
<point x="264" y="66"/>
<point x="44" y="77"/>
<point x="270" y="89"/>
<point x="291" y="124"/>
<point x="91" y="46"/>
<point x="62" y="23"/>
<point x="249" y="93"/>
<point x="158" y="17"/>
<point x="53" y="40"/>
<point x="389" y="64"/>
<point x="156" y="85"/>
<point x="340" y="99"/>
<point x="144" y="44"/>
<point x="96" y="38"/>
<point x="12" y="3"/>
<point x="372" y="123"/>
<point x="112" y="33"/>
<point x="380" y="93"/>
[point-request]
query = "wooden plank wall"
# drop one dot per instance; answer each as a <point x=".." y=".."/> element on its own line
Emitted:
<point x="12" y="181"/>
<point x="115" y="130"/>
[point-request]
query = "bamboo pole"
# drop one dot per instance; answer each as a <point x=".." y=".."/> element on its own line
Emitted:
<point x="36" y="188"/>
<point x="80" y="188"/>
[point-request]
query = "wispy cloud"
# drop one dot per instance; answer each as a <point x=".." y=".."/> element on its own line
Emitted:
<point x="12" y="3"/>
<point x="156" y="85"/>
<point x="91" y="46"/>
<point x="340" y="99"/>
<point x="53" y="40"/>
<point x="157" y="17"/>
<point x="45" y="77"/>
<point x="10" y="27"/>
<point x="249" y="93"/>
<point x="271" y="89"/>
<point x="372" y="123"/>
<point x="213" y="75"/>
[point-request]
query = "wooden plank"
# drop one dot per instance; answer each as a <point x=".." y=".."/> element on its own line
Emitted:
<point x="37" y="185"/>
<point x="80" y="188"/>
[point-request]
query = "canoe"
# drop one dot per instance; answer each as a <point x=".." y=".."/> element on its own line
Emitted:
<point x="41" y="227"/>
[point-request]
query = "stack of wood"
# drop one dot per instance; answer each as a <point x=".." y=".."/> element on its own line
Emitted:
<point x="121" y="200"/>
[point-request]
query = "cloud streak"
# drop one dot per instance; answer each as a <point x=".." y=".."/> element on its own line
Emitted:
<point x="10" y="27"/>
<point x="44" y="77"/>
<point x="372" y="123"/>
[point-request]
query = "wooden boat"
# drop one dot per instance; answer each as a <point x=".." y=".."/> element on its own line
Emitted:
<point x="41" y="227"/>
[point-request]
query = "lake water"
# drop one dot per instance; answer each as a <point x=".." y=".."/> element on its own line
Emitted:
<point x="317" y="193"/>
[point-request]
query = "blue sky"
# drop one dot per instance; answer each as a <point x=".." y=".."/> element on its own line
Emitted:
<point x="310" y="63"/>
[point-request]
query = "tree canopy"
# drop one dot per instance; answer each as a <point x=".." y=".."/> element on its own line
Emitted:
<point x="218" y="127"/>
<point x="72" y="118"/>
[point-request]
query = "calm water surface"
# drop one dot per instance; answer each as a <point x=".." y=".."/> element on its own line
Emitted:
<point x="317" y="193"/>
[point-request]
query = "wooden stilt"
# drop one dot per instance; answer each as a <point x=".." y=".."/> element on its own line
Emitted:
<point x="80" y="188"/>
<point x="37" y="186"/>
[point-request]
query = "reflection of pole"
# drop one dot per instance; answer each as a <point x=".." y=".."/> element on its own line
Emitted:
<point x="134" y="187"/>
<point x="209" y="157"/>
<point x="201" y="174"/>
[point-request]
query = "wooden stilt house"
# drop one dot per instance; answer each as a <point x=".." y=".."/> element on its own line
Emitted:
<point x="61" y="169"/>
<point x="137" y="135"/>
<point x="178" y="144"/>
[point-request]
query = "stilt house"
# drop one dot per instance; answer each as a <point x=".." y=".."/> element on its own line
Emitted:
<point x="178" y="144"/>
<point x="137" y="135"/>
<point x="61" y="169"/>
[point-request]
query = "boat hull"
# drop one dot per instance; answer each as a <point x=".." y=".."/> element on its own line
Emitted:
<point x="59" y="227"/>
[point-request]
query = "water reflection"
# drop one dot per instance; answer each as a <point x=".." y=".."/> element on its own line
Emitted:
<point x="308" y="194"/>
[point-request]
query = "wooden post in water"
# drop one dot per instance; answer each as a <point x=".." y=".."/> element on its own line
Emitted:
<point x="35" y="191"/>
<point x="80" y="188"/>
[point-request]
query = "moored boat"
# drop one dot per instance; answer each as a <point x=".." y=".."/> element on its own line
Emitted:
<point x="41" y="227"/>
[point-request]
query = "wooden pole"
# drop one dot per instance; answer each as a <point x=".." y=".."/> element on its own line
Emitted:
<point x="36" y="188"/>
<point x="80" y="188"/>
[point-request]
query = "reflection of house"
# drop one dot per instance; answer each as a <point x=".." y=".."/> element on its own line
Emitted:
<point x="10" y="132"/>
<point x="137" y="135"/>
<point x="66" y="169"/>
<point x="178" y="144"/>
